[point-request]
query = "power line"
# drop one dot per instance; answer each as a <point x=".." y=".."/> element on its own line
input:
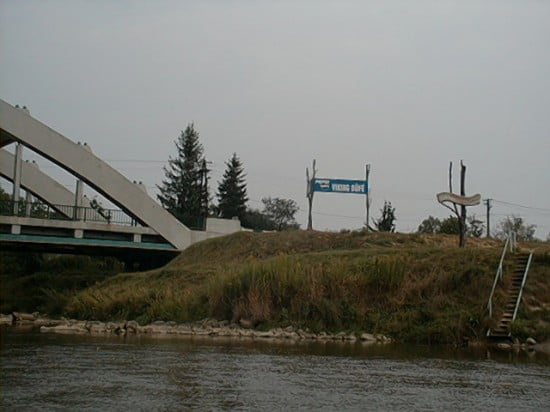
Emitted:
<point x="362" y="218"/>
<point x="382" y="191"/>
<point x="523" y="206"/>
<point x="273" y="175"/>
<point x="136" y="161"/>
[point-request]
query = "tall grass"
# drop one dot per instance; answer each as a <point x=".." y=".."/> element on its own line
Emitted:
<point x="379" y="293"/>
<point x="414" y="288"/>
<point x="409" y="297"/>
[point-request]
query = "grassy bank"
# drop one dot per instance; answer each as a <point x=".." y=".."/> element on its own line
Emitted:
<point x="44" y="283"/>
<point x="411" y="287"/>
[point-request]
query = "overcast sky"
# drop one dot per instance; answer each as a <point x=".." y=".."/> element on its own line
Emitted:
<point x="406" y="86"/>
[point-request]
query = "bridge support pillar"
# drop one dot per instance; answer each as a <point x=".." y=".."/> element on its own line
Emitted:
<point x="78" y="199"/>
<point x="28" y="204"/>
<point x="137" y="238"/>
<point x="17" y="177"/>
<point x="15" y="229"/>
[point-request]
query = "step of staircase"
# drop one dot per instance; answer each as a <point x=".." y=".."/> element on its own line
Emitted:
<point x="499" y="336"/>
<point x="502" y="330"/>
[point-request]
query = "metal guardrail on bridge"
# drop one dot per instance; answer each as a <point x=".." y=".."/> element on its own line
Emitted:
<point x="96" y="214"/>
<point x="40" y="210"/>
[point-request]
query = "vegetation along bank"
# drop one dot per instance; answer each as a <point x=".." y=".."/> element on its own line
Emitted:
<point x="411" y="288"/>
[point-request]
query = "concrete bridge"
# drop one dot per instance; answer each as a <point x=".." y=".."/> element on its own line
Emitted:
<point x="64" y="221"/>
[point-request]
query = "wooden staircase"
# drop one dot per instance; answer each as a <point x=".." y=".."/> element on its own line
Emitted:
<point x="521" y="268"/>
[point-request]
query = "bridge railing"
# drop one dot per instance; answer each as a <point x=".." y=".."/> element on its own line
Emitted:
<point x="65" y="212"/>
<point x="97" y="213"/>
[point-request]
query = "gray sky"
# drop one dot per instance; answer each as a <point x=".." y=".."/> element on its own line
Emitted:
<point x="404" y="85"/>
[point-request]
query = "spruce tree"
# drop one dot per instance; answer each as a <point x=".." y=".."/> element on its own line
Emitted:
<point x="386" y="222"/>
<point x="232" y="190"/>
<point x="184" y="191"/>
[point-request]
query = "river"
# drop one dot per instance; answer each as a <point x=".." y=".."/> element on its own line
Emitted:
<point x="68" y="372"/>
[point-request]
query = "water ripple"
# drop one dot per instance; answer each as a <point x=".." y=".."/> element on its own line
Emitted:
<point x="67" y="372"/>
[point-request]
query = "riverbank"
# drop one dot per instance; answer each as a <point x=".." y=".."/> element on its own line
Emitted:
<point x="205" y="328"/>
<point x="409" y="288"/>
<point x="412" y="288"/>
<point x="211" y="328"/>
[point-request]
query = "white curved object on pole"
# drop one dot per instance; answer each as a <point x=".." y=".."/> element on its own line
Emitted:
<point x="459" y="200"/>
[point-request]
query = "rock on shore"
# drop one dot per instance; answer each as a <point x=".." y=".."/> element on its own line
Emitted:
<point x="213" y="328"/>
<point x="210" y="328"/>
<point x="205" y="328"/>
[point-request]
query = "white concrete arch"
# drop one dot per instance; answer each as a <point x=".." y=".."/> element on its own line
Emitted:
<point x="19" y="126"/>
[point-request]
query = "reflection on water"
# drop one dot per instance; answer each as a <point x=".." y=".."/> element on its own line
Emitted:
<point x="43" y="371"/>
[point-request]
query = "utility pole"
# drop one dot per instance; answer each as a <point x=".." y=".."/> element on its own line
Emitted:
<point x="367" y="172"/>
<point x="489" y="206"/>
<point x="309" y="194"/>
<point x="204" y="189"/>
<point x="462" y="225"/>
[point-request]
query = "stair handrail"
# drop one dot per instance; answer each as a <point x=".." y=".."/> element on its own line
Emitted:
<point x="498" y="275"/>
<point x="522" y="285"/>
<point x="514" y="241"/>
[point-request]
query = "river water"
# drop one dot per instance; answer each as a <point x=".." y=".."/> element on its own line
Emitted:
<point x="62" y="372"/>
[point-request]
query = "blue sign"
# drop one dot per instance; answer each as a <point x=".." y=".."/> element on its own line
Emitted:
<point x="359" y="187"/>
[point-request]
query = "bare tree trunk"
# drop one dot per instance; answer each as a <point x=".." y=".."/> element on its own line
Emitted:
<point x="451" y="186"/>
<point x="309" y="218"/>
<point x="309" y="194"/>
<point x="462" y="217"/>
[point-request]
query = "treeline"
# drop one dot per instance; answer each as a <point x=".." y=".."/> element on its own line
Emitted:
<point x="185" y="191"/>
<point x="476" y="228"/>
<point x="451" y="225"/>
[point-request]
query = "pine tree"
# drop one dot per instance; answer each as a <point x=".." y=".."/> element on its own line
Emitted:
<point x="184" y="191"/>
<point x="232" y="190"/>
<point x="386" y="222"/>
